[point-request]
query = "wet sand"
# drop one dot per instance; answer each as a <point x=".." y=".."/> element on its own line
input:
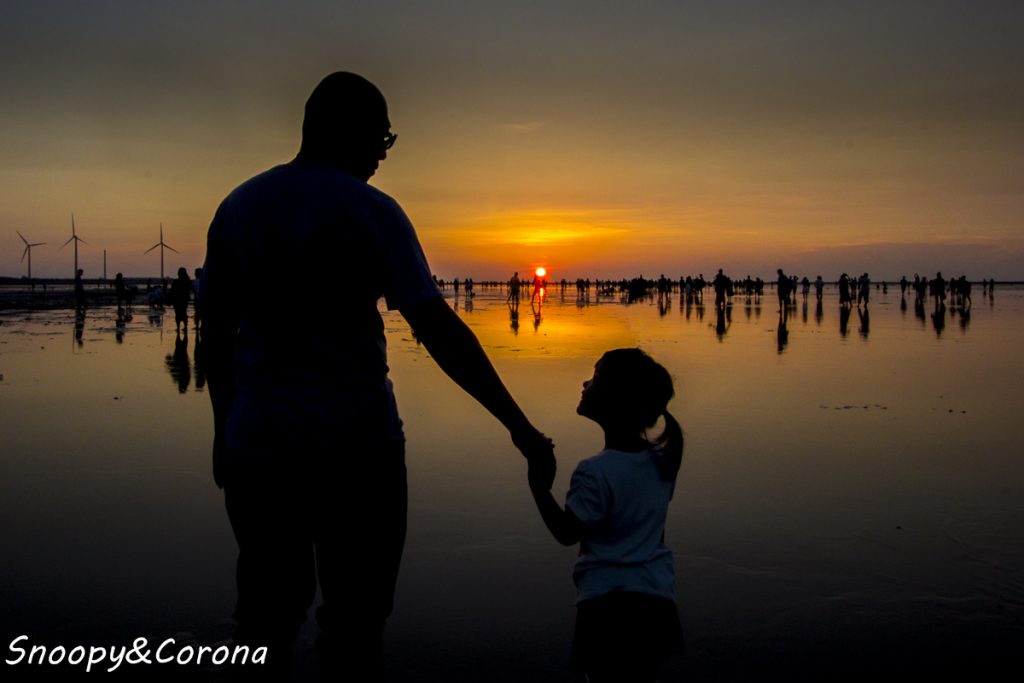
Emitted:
<point x="848" y="504"/>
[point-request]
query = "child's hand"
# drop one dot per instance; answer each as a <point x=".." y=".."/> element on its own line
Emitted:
<point x="542" y="472"/>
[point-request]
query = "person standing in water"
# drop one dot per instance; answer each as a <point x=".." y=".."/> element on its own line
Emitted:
<point x="627" y="624"/>
<point x="181" y="292"/>
<point x="782" y="290"/>
<point x="308" y="445"/>
<point x="723" y="286"/>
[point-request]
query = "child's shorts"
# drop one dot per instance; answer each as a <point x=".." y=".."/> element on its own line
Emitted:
<point x="622" y="631"/>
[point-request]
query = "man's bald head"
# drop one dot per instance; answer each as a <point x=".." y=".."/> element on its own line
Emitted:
<point x="346" y="122"/>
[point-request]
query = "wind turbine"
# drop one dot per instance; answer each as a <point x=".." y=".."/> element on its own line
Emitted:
<point x="28" y="252"/>
<point x="76" y="239"/>
<point x="162" y="247"/>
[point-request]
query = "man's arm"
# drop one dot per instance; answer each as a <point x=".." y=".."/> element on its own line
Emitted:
<point x="458" y="353"/>
<point x="220" y="327"/>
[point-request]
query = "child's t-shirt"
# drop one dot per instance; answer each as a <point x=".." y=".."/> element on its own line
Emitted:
<point x="623" y="501"/>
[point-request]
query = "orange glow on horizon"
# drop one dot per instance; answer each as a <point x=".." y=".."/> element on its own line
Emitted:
<point x="541" y="271"/>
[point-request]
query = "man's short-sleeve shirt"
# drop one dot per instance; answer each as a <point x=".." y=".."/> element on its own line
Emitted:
<point x="297" y="259"/>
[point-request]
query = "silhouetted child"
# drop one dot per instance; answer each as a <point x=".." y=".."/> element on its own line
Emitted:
<point x="626" y="620"/>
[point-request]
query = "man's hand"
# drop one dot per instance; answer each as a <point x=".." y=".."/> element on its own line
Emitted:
<point x="539" y="452"/>
<point x="532" y="443"/>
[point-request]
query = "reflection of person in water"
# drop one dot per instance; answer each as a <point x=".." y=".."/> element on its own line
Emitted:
<point x="844" y="320"/>
<point x="308" y="445"/>
<point x="723" y="321"/>
<point x="626" y="620"/>
<point x="865" y="321"/>
<point x="782" y="332"/>
<point x="80" y="324"/>
<point x="178" y="363"/>
<point x="939" y="319"/>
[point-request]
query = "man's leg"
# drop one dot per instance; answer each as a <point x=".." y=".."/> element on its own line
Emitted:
<point x="359" y="532"/>
<point x="275" y="572"/>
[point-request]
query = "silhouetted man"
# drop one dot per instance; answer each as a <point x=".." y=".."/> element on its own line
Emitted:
<point x="308" y="445"/>
<point x="722" y="285"/>
<point x="782" y="285"/>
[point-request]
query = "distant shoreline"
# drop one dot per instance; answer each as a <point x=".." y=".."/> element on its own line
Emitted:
<point x="16" y="294"/>
<point x="6" y="281"/>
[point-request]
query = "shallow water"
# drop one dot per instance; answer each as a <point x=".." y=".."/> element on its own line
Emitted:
<point x="847" y="503"/>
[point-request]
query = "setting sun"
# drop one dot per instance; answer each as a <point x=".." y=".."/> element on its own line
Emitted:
<point x="541" y="272"/>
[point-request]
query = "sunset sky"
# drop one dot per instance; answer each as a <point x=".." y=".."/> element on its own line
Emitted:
<point x="597" y="138"/>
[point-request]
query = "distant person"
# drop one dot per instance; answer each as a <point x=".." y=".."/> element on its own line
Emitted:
<point x="938" y="288"/>
<point x="819" y="286"/>
<point x="662" y="286"/>
<point x="308" y="445"/>
<point x="921" y="287"/>
<point x="627" y="624"/>
<point x="513" y="288"/>
<point x="181" y="292"/>
<point x="863" y="289"/>
<point x="903" y="286"/>
<point x="79" y="289"/>
<point x="120" y="293"/>
<point x="963" y="286"/>
<point x="844" y="290"/>
<point x="154" y="295"/>
<point x="722" y="286"/>
<point x="782" y="286"/>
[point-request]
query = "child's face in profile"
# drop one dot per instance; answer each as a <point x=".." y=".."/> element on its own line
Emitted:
<point x="591" y="400"/>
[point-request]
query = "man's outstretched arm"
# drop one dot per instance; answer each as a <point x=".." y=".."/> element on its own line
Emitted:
<point x="458" y="353"/>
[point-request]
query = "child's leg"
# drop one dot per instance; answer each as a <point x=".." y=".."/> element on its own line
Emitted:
<point x="639" y="675"/>
<point x="625" y="637"/>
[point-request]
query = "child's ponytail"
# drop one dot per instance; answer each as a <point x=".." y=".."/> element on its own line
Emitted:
<point x="670" y="447"/>
<point x="637" y="391"/>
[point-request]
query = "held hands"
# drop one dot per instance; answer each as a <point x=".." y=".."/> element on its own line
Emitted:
<point x="539" y="452"/>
